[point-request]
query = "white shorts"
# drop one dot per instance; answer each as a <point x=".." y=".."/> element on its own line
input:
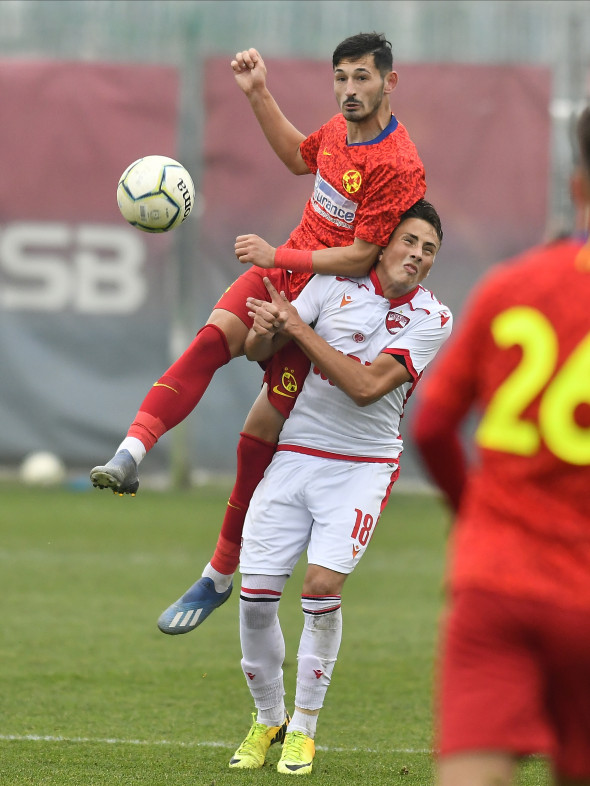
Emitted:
<point x="330" y="506"/>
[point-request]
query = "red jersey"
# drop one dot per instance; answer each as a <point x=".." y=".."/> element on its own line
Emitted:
<point x="360" y="190"/>
<point x="521" y="356"/>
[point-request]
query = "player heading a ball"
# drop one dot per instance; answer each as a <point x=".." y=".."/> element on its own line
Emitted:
<point x="155" y="194"/>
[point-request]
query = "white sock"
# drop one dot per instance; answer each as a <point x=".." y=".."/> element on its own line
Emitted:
<point x="221" y="580"/>
<point x="263" y="646"/>
<point x="135" y="447"/>
<point x="272" y="716"/>
<point x="318" y="649"/>
<point x="301" y="721"/>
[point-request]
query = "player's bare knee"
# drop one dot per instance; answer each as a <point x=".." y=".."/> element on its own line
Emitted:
<point x="322" y="581"/>
<point x="234" y="329"/>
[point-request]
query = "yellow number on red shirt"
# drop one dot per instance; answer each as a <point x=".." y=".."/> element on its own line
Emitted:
<point x="570" y="388"/>
<point x="501" y="427"/>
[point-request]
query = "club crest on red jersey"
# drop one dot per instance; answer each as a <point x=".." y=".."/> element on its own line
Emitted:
<point x="288" y="385"/>
<point x="288" y="380"/>
<point x="351" y="181"/>
<point x="395" y="322"/>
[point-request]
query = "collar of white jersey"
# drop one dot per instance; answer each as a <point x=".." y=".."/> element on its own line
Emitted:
<point x="396" y="301"/>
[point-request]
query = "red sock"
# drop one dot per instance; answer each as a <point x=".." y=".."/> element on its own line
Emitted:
<point x="254" y="456"/>
<point x="177" y="393"/>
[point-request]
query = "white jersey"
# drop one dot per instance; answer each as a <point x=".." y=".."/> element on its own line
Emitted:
<point x="354" y="317"/>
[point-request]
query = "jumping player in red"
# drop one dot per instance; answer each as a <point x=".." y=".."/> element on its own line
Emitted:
<point x="367" y="173"/>
<point x="514" y="677"/>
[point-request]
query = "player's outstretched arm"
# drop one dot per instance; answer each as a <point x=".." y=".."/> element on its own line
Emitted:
<point x="250" y="75"/>
<point x="364" y="384"/>
<point x="354" y="260"/>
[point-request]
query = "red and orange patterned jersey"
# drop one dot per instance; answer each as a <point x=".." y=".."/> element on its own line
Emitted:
<point x="361" y="189"/>
<point x="521" y="357"/>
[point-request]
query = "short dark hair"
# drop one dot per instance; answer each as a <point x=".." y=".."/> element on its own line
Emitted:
<point x="583" y="129"/>
<point x="424" y="210"/>
<point x="362" y="44"/>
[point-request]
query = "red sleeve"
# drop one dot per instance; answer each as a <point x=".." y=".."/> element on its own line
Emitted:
<point x="438" y="442"/>
<point x="309" y="149"/>
<point x="448" y="392"/>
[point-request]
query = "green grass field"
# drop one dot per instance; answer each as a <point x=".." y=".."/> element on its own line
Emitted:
<point x="93" y="693"/>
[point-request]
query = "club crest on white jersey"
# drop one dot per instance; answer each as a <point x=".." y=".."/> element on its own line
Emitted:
<point x="394" y="322"/>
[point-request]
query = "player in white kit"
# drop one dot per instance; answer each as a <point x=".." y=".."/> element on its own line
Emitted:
<point x="335" y="464"/>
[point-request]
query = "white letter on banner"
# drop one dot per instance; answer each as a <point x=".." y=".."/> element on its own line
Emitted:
<point x="33" y="254"/>
<point x="109" y="264"/>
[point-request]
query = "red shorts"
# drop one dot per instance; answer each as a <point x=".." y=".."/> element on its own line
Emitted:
<point x="515" y="677"/>
<point x="285" y="372"/>
<point x="250" y="284"/>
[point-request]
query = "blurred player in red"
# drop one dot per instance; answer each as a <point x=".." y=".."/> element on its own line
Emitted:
<point x="514" y="675"/>
<point x="367" y="173"/>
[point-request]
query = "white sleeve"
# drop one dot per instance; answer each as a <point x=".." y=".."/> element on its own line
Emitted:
<point x="422" y="341"/>
<point x="310" y="300"/>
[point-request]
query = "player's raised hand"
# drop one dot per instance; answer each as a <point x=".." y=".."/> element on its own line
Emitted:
<point x="267" y="318"/>
<point x="287" y="315"/>
<point x="255" y="250"/>
<point x="277" y="298"/>
<point x="249" y="70"/>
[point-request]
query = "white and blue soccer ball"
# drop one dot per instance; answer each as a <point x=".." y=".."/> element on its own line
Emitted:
<point x="155" y="194"/>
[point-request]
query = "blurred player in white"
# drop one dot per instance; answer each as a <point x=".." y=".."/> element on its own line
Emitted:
<point x="334" y="468"/>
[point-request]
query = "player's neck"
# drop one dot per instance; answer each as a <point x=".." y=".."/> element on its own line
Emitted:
<point x="391" y="288"/>
<point x="366" y="130"/>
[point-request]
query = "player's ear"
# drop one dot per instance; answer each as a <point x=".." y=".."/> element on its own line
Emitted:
<point x="390" y="82"/>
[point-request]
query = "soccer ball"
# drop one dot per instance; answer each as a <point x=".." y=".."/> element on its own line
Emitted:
<point x="155" y="194"/>
<point x="42" y="469"/>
